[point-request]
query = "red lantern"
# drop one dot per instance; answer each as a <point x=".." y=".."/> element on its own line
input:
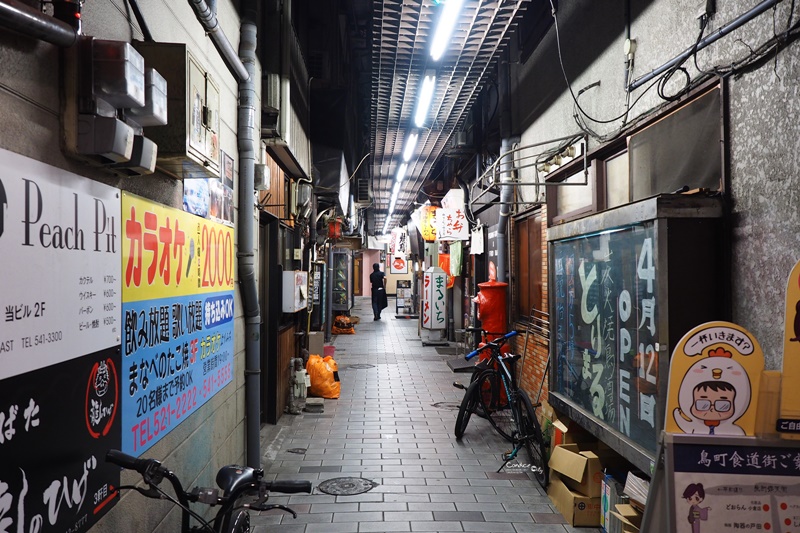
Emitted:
<point x="335" y="229"/>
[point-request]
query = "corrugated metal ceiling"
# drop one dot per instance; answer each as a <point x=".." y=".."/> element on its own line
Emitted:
<point x="402" y="32"/>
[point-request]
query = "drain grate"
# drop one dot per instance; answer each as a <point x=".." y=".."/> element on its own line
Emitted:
<point x="450" y="406"/>
<point x="346" y="486"/>
<point x="297" y="450"/>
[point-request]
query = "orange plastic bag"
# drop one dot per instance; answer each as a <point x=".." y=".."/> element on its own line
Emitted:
<point x="324" y="376"/>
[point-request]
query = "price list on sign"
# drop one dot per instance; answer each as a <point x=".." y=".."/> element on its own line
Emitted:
<point x="177" y="314"/>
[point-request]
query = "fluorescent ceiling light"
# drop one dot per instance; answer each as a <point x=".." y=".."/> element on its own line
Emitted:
<point x="447" y="22"/>
<point x="411" y="143"/>
<point x="401" y="173"/>
<point x="424" y="102"/>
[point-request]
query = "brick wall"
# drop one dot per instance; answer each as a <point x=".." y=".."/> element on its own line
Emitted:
<point x="537" y="348"/>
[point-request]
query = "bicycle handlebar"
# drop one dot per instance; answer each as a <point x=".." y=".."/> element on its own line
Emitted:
<point x="496" y="342"/>
<point x="143" y="466"/>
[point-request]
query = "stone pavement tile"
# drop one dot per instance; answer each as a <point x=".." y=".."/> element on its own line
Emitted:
<point x="460" y="516"/>
<point x="436" y="526"/>
<point x="381" y="527"/>
<point x="507" y="517"/>
<point x="548" y="518"/>
<point x="493" y="527"/>
<point x="370" y="516"/>
<point x="288" y="528"/>
<point x="546" y="528"/>
<point x="343" y="527"/>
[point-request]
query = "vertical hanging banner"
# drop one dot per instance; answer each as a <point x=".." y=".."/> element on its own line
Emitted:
<point x="451" y="225"/>
<point x="177" y="309"/>
<point x="434" y="311"/>
<point x="59" y="346"/>
<point x="399" y="243"/>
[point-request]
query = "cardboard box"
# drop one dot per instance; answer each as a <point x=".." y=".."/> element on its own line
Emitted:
<point x="577" y="509"/>
<point x="566" y="431"/>
<point x="612" y="495"/>
<point x="580" y="470"/>
<point x="631" y="519"/>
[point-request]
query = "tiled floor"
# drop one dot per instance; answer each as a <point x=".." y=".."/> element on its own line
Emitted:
<point x="393" y="425"/>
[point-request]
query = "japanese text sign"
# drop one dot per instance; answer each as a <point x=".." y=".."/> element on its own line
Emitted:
<point x="714" y="377"/>
<point x="434" y="311"/>
<point x="451" y="225"/>
<point x="59" y="276"/>
<point x="605" y="322"/>
<point x="177" y="348"/>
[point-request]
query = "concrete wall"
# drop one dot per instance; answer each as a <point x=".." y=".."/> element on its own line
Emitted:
<point x="763" y="106"/>
<point x="29" y="104"/>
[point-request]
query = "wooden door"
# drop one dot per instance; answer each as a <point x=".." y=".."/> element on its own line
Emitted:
<point x="358" y="269"/>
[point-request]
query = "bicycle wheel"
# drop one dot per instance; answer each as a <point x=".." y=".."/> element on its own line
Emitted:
<point x="468" y="405"/>
<point x="530" y="430"/>
<point x="240" y="523"/>
<point x="494" y="403"/>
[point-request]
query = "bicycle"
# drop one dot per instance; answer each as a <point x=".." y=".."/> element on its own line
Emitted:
<point x="493" y="394"/>
<point x="235" y="481"/>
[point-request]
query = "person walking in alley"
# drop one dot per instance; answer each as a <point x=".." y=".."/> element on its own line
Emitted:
<point x="378" y="281"/>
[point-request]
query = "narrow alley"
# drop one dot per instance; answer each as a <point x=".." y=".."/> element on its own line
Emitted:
<point x="393" y="425"/>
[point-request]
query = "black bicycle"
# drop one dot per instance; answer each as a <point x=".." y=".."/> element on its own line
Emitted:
<point x="493" y="394"/>
<point x="236" y="483"/>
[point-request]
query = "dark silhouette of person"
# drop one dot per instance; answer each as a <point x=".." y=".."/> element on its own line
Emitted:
<point x="379" y="300"/>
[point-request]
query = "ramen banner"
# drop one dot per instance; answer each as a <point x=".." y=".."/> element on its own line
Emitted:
<point x="177" y="317"/>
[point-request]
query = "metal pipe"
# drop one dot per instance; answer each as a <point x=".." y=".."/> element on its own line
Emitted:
<point x="210" y="23"/>
<point x="721" y="32"/>
<point x="247" y="138"/>
<point x="25" y="20"/>
<point x="329" y="296"/>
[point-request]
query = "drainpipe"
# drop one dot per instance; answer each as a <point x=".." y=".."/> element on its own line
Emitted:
<point x="210" y="23"/>
<point x="247" y="139"/>
<point x="25" y="20"/>
<point x="329" y="296"/>
<point x="506" y="191"/>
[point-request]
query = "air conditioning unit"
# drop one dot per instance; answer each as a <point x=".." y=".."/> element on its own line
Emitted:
<point x="362" y="196"/>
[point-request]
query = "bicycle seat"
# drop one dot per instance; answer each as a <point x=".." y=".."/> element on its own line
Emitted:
<point x="231" y="477"/>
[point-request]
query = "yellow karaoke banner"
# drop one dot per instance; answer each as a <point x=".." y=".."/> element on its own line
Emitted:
<point x="167" y="252"/>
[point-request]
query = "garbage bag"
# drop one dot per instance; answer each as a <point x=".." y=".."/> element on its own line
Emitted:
<point x="324" y="376"/>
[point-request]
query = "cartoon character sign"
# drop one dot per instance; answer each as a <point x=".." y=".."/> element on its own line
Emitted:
<point x="715" y="373"/>
<point x="694" y="495"/>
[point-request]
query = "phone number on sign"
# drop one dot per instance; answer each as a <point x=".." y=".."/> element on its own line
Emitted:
<point x="162" y="419"/>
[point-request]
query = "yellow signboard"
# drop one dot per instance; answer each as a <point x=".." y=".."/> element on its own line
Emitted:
<point x="167" y="252"/>
<point x="790" y="399"/>
<point x="714" y="377"/>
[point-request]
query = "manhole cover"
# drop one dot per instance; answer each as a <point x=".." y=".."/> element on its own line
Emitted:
<point x="450" y="406"/>
<point x="346" y="486"/>
<point x="297" y="450"/>
<point x="356" y="366"/>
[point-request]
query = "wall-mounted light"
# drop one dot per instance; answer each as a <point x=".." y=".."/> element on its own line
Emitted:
<point x="444" y="29"/>
<point x="424" y="102"/>
<point x="411" y="143"/>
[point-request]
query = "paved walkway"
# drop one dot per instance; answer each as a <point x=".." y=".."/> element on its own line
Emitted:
<point x="393" y="425"/>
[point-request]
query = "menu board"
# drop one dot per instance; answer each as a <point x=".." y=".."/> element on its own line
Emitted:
<point x="605" y="328"/>
<point x="177" y="313"/>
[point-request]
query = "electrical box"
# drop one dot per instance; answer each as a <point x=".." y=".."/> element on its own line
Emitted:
<point x="295" y="290"/>
<point x="188" y="147"/>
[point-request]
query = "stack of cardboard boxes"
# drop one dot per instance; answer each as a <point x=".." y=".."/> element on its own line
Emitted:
<point x="576" y="475"/>
<point x="581" y="487"/>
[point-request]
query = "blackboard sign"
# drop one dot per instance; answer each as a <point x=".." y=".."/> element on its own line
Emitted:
<point x="56" y="424"/>
<point x="605" y="320"/>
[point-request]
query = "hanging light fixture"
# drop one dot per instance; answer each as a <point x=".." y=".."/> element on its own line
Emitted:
<point x="447" y="21"/>
<point x="411" y="143"/>
<point x="424" y="102"/>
